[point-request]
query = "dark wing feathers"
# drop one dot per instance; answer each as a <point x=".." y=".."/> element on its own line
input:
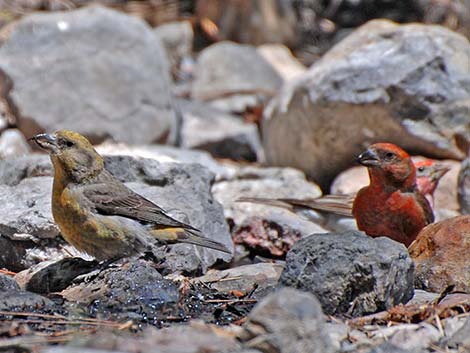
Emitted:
<point x="424" y="203"/>
<point x="118" y="200"/>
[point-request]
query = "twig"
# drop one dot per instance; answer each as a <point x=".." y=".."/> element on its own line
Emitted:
<point x="45" y="316"/>
<point x="62" y="333"/>
<point x="231" y="301"/>
<point x="7" y="272"/>
<point x="228" y="279"/>
<point x="447" y="290"/>
<point x="255" y="287"/>
<point x="77" y="322"/>
<point x="30" y="340"/>
<point x="438" y="349"/>
<point x="368" y="319"/>
<point x="439" y="324"/>
<point x="68" y="321"/>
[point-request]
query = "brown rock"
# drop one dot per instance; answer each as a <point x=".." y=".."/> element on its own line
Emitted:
<point x="441" y="257"/>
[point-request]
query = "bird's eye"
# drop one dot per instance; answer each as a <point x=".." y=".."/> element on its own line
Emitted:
<point x="420" y="169"/>
<point x="389" y="155"/>
<point x="68" y="143"/>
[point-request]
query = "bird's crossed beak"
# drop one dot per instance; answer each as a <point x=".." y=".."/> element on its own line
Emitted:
<point x="45" y="141"/>
<point x="438" y="171"/>
<point x="368" y="158"/>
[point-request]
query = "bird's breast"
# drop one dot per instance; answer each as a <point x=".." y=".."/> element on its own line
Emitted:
<point x="72" y="218"/>
<point x="397" y="215"/>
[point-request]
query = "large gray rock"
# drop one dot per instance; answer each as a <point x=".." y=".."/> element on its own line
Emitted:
<point x="223" y="135"/>
<point x="405" y="84"/>
<point x="93" y="70"/>
<point x="233" y="76"/>
<point x="287" y="321"/>
<point x="184" y="190"/>
<point x="350" y="273"/>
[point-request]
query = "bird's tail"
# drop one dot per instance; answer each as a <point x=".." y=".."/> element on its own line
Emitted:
<point x="188" y="236"/>
<point x="266" y="201"/>
<point x="337" y="204"/>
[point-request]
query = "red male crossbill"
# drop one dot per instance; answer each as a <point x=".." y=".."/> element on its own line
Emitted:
<point x="98" y="214"/>
<point x="392" y="205"/>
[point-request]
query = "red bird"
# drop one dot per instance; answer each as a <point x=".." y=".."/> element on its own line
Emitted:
<point x="388" y="172"/>
<point x="428" y="175"/>
<point x="390" y="205"/>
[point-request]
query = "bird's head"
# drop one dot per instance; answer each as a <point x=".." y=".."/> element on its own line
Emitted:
<point x="389" y="164"/>
<point x="71" y="153"/>
<point x="428" y="174"/>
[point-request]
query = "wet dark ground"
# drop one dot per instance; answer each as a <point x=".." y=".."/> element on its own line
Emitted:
<point x="125" y="302"/>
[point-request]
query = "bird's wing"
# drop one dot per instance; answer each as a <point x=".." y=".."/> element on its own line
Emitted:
<point x="118" y="200"/>
<point x="409" y="203"/>
<point x="428" y="212"/>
